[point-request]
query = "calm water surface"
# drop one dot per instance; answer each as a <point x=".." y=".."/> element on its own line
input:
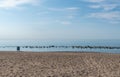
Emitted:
<point x="60" y="43"/>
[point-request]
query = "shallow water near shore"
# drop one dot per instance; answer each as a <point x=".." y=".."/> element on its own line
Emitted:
<point x="114" y="43"/>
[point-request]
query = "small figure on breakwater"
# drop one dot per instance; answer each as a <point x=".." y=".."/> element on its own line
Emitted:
<point x="18" y="48"/>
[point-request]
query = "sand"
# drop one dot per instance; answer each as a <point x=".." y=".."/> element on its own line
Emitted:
<point x="56" y="64"/>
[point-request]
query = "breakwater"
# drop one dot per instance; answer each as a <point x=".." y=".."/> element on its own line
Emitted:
<point x="53" y="46"/>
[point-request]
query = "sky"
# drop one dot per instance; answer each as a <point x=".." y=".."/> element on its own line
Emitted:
<point x="60" y="19"/>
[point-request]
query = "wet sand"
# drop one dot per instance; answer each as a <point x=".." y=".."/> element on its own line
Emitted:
<point x="59" y="64"/>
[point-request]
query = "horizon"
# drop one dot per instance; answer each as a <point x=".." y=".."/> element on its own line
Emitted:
<point x="59" y="19"/>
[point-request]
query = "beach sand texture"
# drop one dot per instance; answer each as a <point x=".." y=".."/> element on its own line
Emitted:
<point x="59" y="64"/>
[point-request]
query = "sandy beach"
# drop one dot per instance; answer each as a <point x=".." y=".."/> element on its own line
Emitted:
<point x="59" y="64"/>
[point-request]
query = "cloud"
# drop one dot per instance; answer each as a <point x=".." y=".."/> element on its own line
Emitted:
<point x="106" y="10"/>
<point x="106" y="7"/>
<point x="95" y="1"/>
<point x="103" y="1"/>
<point x="63" y="22"/>
<point x="109" y="16"/>
<point x="95" y="6"/>
<point x="64" y="9"/>
<point x="70" y="16"/>
<point x="43" y="13"/>
<point x="68" y="12"/>
<point x="14" y="3"/>
<point x="72" y="8"/>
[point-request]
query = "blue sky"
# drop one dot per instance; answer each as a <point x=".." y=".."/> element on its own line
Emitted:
<point x="59" y="19"/>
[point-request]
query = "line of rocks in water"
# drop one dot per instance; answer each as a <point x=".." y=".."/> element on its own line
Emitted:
<point x="53" y="46"/>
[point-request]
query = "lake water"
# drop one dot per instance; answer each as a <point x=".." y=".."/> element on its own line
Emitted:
<point x="114" y="43"/>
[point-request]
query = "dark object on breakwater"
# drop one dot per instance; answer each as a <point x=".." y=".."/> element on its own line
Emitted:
<point x="18" y="48"/>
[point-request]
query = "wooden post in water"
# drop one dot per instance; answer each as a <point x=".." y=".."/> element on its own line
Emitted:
<point x="18" y="48"/>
